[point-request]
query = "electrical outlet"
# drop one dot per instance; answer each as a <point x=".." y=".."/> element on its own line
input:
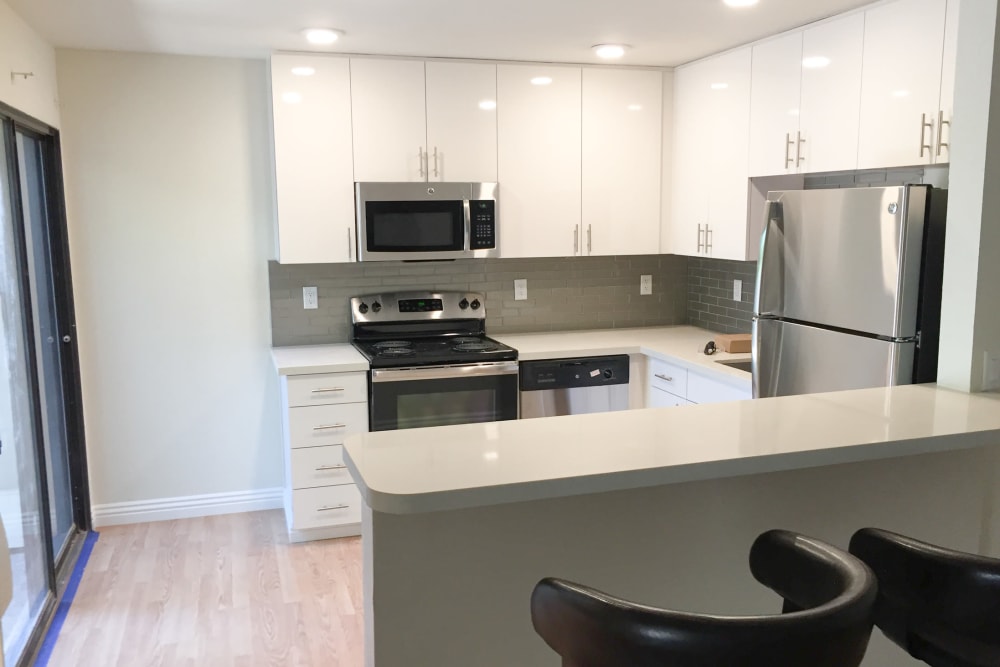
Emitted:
<point x="645" y="284"/>
<point x="520" y="290"/>
<point x="991" y="371"/>
<point x="310" y="298"/>
<point x="737" y="290"/>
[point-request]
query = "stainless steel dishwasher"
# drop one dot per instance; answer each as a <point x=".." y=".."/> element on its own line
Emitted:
<point x="555" y="387"/>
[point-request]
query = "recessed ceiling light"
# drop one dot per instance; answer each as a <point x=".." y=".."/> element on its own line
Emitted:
<point x="291" y="98"/>
<point x="635" y="107"/>
<point x="741" y="3"/>
<point x="541" y="81"/>
<point x="609" y="51"/>
<point x="815" y="62"/>
<point x="321" y="36"/>
<point x="303" y="71"/>
<point x="719" y="86"/>
<point x="488" y="105"/>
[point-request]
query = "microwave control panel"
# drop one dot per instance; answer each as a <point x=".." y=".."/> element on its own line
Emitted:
<point x="483" y="223"/>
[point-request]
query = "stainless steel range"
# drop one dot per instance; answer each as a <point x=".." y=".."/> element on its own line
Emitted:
<point x="432" y="363"/>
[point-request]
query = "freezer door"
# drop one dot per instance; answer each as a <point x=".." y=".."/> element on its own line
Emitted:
<point x="790" y="359"/>
<point x="846" y="258"/>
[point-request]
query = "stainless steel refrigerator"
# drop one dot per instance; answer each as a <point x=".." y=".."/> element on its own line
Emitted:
<point x="848" y="289"/>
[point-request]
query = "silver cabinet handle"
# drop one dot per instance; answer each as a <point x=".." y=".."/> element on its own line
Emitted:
<point x="590" y="239"/>
<point x="327" y="390"/>
<point x="420" y="152"/>
<point x="350" y="252"/>
<point x="709" y="236"/>
<point x="665" y="378"/>
<point x="436" y="162"/>
<point x="328" y="508"/>
<point x="700" y="244"/>
<point x="788" y="144"/>
<point x="329" y="427"/>
<point x="576" y="239"/>
<point x="923" y="131"/>
<point x="940" y="133"/>
<point x="340" y="466"/>
<point x="798" y="149"/>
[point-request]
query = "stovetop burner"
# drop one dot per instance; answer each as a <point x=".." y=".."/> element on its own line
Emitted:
<point x="464" y="340"/>
<point x="396" y="352"/>
<point x="475" y="347"/>
<point x="392" y="344"/>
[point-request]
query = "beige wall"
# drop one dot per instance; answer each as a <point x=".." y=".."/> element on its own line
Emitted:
<point x="168" y="191"/>
<point x="23" y="50"/>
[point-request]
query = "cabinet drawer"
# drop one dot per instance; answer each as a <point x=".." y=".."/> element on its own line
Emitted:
<point x="325" y="506"/>
<point x="658" y="398"/>
<point x="319" y="466"/>
<point x="321" y="425"/>
<point x="705" y="390"/>
<point x="668" y="377"/>
<point x="327" y="388"/>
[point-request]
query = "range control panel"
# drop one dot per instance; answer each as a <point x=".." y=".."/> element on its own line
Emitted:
<point x="417" y="306"/>
<point x="574" y="373"/>
<point x="483" y="224"/>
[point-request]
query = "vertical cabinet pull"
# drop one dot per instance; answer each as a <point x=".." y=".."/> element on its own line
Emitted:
<point x="350" y="252"/>
<point x="590" y="239"/>
<point x="576" y="239"/>
<point x="940" y="133"/>
<point x="788" y="144"/>
<point x="700" y="244"/>
<point x="798" y="149"/>
<point x="924" y="125"/>
<point x="709" y="236"/>
<point x="422" y="157"/>
<point x="436" y="174"/>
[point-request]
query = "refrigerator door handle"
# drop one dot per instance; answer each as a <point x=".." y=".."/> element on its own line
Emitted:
<point x="769" y="269"/>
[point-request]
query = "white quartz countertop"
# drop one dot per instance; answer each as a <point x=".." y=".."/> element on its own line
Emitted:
<point x="472" y="465"/>
<point x="682" y="345"/>
<point x="307" y="359"/>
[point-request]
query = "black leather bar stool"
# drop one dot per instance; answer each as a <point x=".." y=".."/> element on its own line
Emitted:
<point x="940" y="606"/>
<point x="827" y="618"/>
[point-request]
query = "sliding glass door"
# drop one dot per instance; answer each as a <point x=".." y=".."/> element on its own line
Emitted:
<point x="44" y="502"/>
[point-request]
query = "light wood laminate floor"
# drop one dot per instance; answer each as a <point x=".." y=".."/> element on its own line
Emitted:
<point x="225" y="590"/>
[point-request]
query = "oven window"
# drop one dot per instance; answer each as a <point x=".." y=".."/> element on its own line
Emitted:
<point x="415" y="226"/>
<point x="443" y="402"/>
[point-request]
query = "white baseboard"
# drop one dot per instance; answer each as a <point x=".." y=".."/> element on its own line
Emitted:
<point x="185" y="507"/>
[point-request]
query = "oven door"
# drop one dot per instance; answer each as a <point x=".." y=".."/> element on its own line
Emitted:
<point x="443" y="395"/>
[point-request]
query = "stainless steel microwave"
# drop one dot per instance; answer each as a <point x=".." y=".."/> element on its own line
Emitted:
<point x="426" y="221"/>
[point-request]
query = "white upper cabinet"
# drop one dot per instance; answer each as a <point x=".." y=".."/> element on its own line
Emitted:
<point x="947" y="105"/>
<point x="901" y="83"/>
<point x="831" y="94"/>
<point x="711" y="157"/>
<point x="462" y="122"/>
<point x="539" y="151"/>
<point x="774" y="106"/>
<point x="622" y="112"/>
<point x="311" y="99"/>
<point x="390" y="124"/>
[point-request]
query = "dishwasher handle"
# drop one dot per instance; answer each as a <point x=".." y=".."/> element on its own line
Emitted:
<point x="574" y="373"/>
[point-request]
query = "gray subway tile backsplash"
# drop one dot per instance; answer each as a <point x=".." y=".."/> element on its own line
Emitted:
<point x="563" y="293"/>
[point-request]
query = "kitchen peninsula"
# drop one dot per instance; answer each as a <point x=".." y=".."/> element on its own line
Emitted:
<point x="658" y="506"/>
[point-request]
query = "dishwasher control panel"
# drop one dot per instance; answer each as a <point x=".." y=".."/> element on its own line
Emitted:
<point x="574" y="373"/>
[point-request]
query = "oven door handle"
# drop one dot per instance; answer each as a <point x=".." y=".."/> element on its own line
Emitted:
<point x="444" y="372"/>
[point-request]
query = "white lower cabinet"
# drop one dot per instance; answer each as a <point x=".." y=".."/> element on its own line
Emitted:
<point x="671" y="385"/>
<point x="318" y="412"/>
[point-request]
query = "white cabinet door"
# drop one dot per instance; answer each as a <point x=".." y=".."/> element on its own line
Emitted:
<point x="390" y="126"/>
<point x="947" y="105"/>
<point x="691" y="155"/>
<point x="462" y="121"/>
<point x="901" y="83"/>
<point x="831" y="94"/>
<point x="774" y="105"/>
<point x="314" y="171"/>
<point x="621" y="161"/>
<point x="702" y="389"/>
<point x="539" y="151"/>
<point x="658" y="398"/>
<point x="729" y="155"/>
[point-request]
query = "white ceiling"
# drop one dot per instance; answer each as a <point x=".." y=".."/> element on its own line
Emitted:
<point x="662" y="32"/>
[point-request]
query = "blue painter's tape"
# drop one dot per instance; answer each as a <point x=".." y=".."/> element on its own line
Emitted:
<point x="59" y="618"/>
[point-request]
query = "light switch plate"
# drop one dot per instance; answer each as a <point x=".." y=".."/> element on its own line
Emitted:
<point x="991" y="371"/>
<point x="737" y="290"/>
<point x="645" y="284"/>
<point x="310" y="298"/>
<point x="520" y="290"/>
